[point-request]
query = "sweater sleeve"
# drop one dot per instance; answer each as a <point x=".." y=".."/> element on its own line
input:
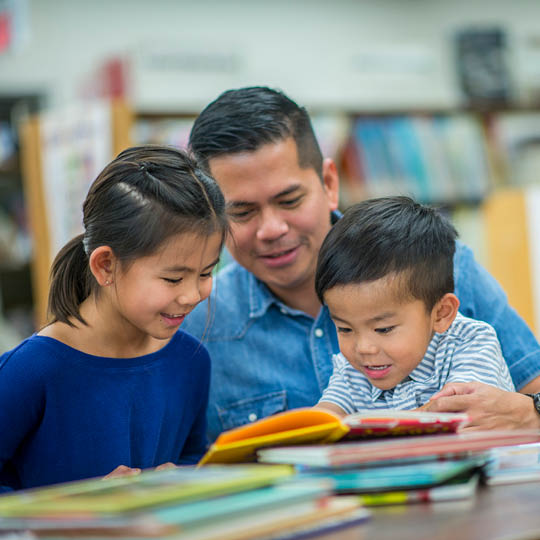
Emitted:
<point x="22" y="399"/>
<point x="196" y="443"/>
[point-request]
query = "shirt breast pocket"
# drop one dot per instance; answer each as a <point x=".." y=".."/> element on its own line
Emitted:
<point x="252" y="409"/>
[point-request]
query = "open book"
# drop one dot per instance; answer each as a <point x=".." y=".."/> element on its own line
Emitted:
<point x="309" y="426"/>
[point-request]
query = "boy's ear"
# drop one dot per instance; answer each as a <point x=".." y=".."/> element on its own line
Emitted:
<point x="444" y="312"/>
<point x="102" y="263"/>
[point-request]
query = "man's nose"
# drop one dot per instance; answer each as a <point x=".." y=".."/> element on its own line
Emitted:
<point x="272" y="225"/>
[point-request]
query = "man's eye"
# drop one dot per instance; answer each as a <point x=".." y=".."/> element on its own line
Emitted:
<point x="291" y="202"/>
<point x="240" y="215"/>
<point x="385" y="330"/>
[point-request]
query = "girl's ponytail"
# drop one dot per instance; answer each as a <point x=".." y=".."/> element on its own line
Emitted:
<point x="70" y="282"/>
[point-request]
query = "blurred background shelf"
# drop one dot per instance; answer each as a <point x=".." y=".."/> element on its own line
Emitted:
<point x="438" y="100"/>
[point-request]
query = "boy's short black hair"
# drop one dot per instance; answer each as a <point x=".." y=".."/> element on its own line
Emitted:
<point x="390" y="235"/>
<point x="244" y="119"/>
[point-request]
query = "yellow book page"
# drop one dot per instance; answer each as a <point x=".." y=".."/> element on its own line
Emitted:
<point x="297" y="426"/>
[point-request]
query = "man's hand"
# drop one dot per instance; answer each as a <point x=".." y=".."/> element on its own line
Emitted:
<point x="123" y="470"/>
<point x="487" y="406"/>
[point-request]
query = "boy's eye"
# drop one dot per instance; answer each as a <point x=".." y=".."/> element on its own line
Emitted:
<point x="207" y="274"/>
<point x="385" y="330"/>
<point x="343" y="330"/>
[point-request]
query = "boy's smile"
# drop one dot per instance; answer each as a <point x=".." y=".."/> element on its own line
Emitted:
<point x="382" y="334"/>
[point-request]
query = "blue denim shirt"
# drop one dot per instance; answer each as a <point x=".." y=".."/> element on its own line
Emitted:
<point x="267" y="357"/>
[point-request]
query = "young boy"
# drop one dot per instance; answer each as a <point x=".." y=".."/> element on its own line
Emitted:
<point x="386" y="274"/>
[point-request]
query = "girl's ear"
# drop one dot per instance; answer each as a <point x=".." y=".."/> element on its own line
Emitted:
<point x="444" y="312"/>
<point x="102" y="264"/>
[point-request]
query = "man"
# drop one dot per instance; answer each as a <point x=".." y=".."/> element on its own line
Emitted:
<point x="270" y="341"/>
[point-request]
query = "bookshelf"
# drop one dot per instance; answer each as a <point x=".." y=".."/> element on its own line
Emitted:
<point x="62" y="151"/>
<point x="476" y="163"/>
<point x="16" y="298"/>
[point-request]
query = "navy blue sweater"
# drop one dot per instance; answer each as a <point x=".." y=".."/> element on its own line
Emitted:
<point x="67" y="415"/>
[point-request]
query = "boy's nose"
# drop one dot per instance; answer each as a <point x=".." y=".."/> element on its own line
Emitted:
<point x="365" y="346"/>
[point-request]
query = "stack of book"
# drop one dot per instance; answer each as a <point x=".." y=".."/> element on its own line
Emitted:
<point x="402" y="456"/>
<point x="239" y="502"/>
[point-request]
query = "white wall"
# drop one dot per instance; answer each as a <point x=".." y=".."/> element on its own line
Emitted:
<point x="345" y="53"/>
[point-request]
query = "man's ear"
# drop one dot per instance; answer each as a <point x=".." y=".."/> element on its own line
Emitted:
<point x="102" y="263"/>
<point x="331" y="183"/>
<point x="444" y="312"/>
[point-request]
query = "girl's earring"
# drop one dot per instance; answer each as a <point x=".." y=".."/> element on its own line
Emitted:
<point x="107" y="282"/>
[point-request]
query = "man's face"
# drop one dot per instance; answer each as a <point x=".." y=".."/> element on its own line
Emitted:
<point x="280" y="213"/>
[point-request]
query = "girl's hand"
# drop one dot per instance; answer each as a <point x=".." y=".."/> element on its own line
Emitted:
<point x="123" y="470"/>
<point x="167" y="465"/>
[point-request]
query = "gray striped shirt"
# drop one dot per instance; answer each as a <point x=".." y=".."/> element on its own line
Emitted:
<point x="468" y="351"/>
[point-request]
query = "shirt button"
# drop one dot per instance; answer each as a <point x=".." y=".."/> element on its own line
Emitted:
<point x="319" y="332"/>
<point x="252" y="417"/>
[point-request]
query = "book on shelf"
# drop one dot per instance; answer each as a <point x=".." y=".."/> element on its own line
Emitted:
<point x="310" y="425"/>
<point x="397" y="450"/>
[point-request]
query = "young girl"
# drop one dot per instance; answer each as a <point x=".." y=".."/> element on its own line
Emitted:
<point x="112" y="383"/>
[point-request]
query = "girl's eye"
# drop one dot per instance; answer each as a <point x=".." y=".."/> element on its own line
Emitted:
<point x="170" y="280"/>
<point x="385" y="330"/>
<point x="207" y="274"/>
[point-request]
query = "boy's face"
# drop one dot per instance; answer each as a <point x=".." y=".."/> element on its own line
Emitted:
<point x="382" y="334"/>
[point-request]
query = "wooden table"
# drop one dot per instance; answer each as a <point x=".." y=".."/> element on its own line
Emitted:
<point x="503" y="512"/>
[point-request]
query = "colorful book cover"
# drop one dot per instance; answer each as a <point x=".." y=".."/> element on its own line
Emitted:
<point x="298" y="495"/>
<point x="309" y="425"/>
<point x="297" y="426"/>
<point x="152" y="488"/>
<point x="439" y="446"/>
<point x="396" y="477"/>
<point x="514" y="464"/>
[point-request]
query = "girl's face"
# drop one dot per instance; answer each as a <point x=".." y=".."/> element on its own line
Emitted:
<point x="155" y="293"/>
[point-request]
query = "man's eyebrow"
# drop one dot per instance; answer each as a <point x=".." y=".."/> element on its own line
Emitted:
<point x="285" y="192"/>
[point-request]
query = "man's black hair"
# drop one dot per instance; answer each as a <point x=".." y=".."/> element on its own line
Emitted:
<point x="390" y="235"/>
<point x="244" y="119"/>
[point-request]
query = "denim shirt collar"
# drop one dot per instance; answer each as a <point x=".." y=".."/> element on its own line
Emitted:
<point x="261" y="298"/>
